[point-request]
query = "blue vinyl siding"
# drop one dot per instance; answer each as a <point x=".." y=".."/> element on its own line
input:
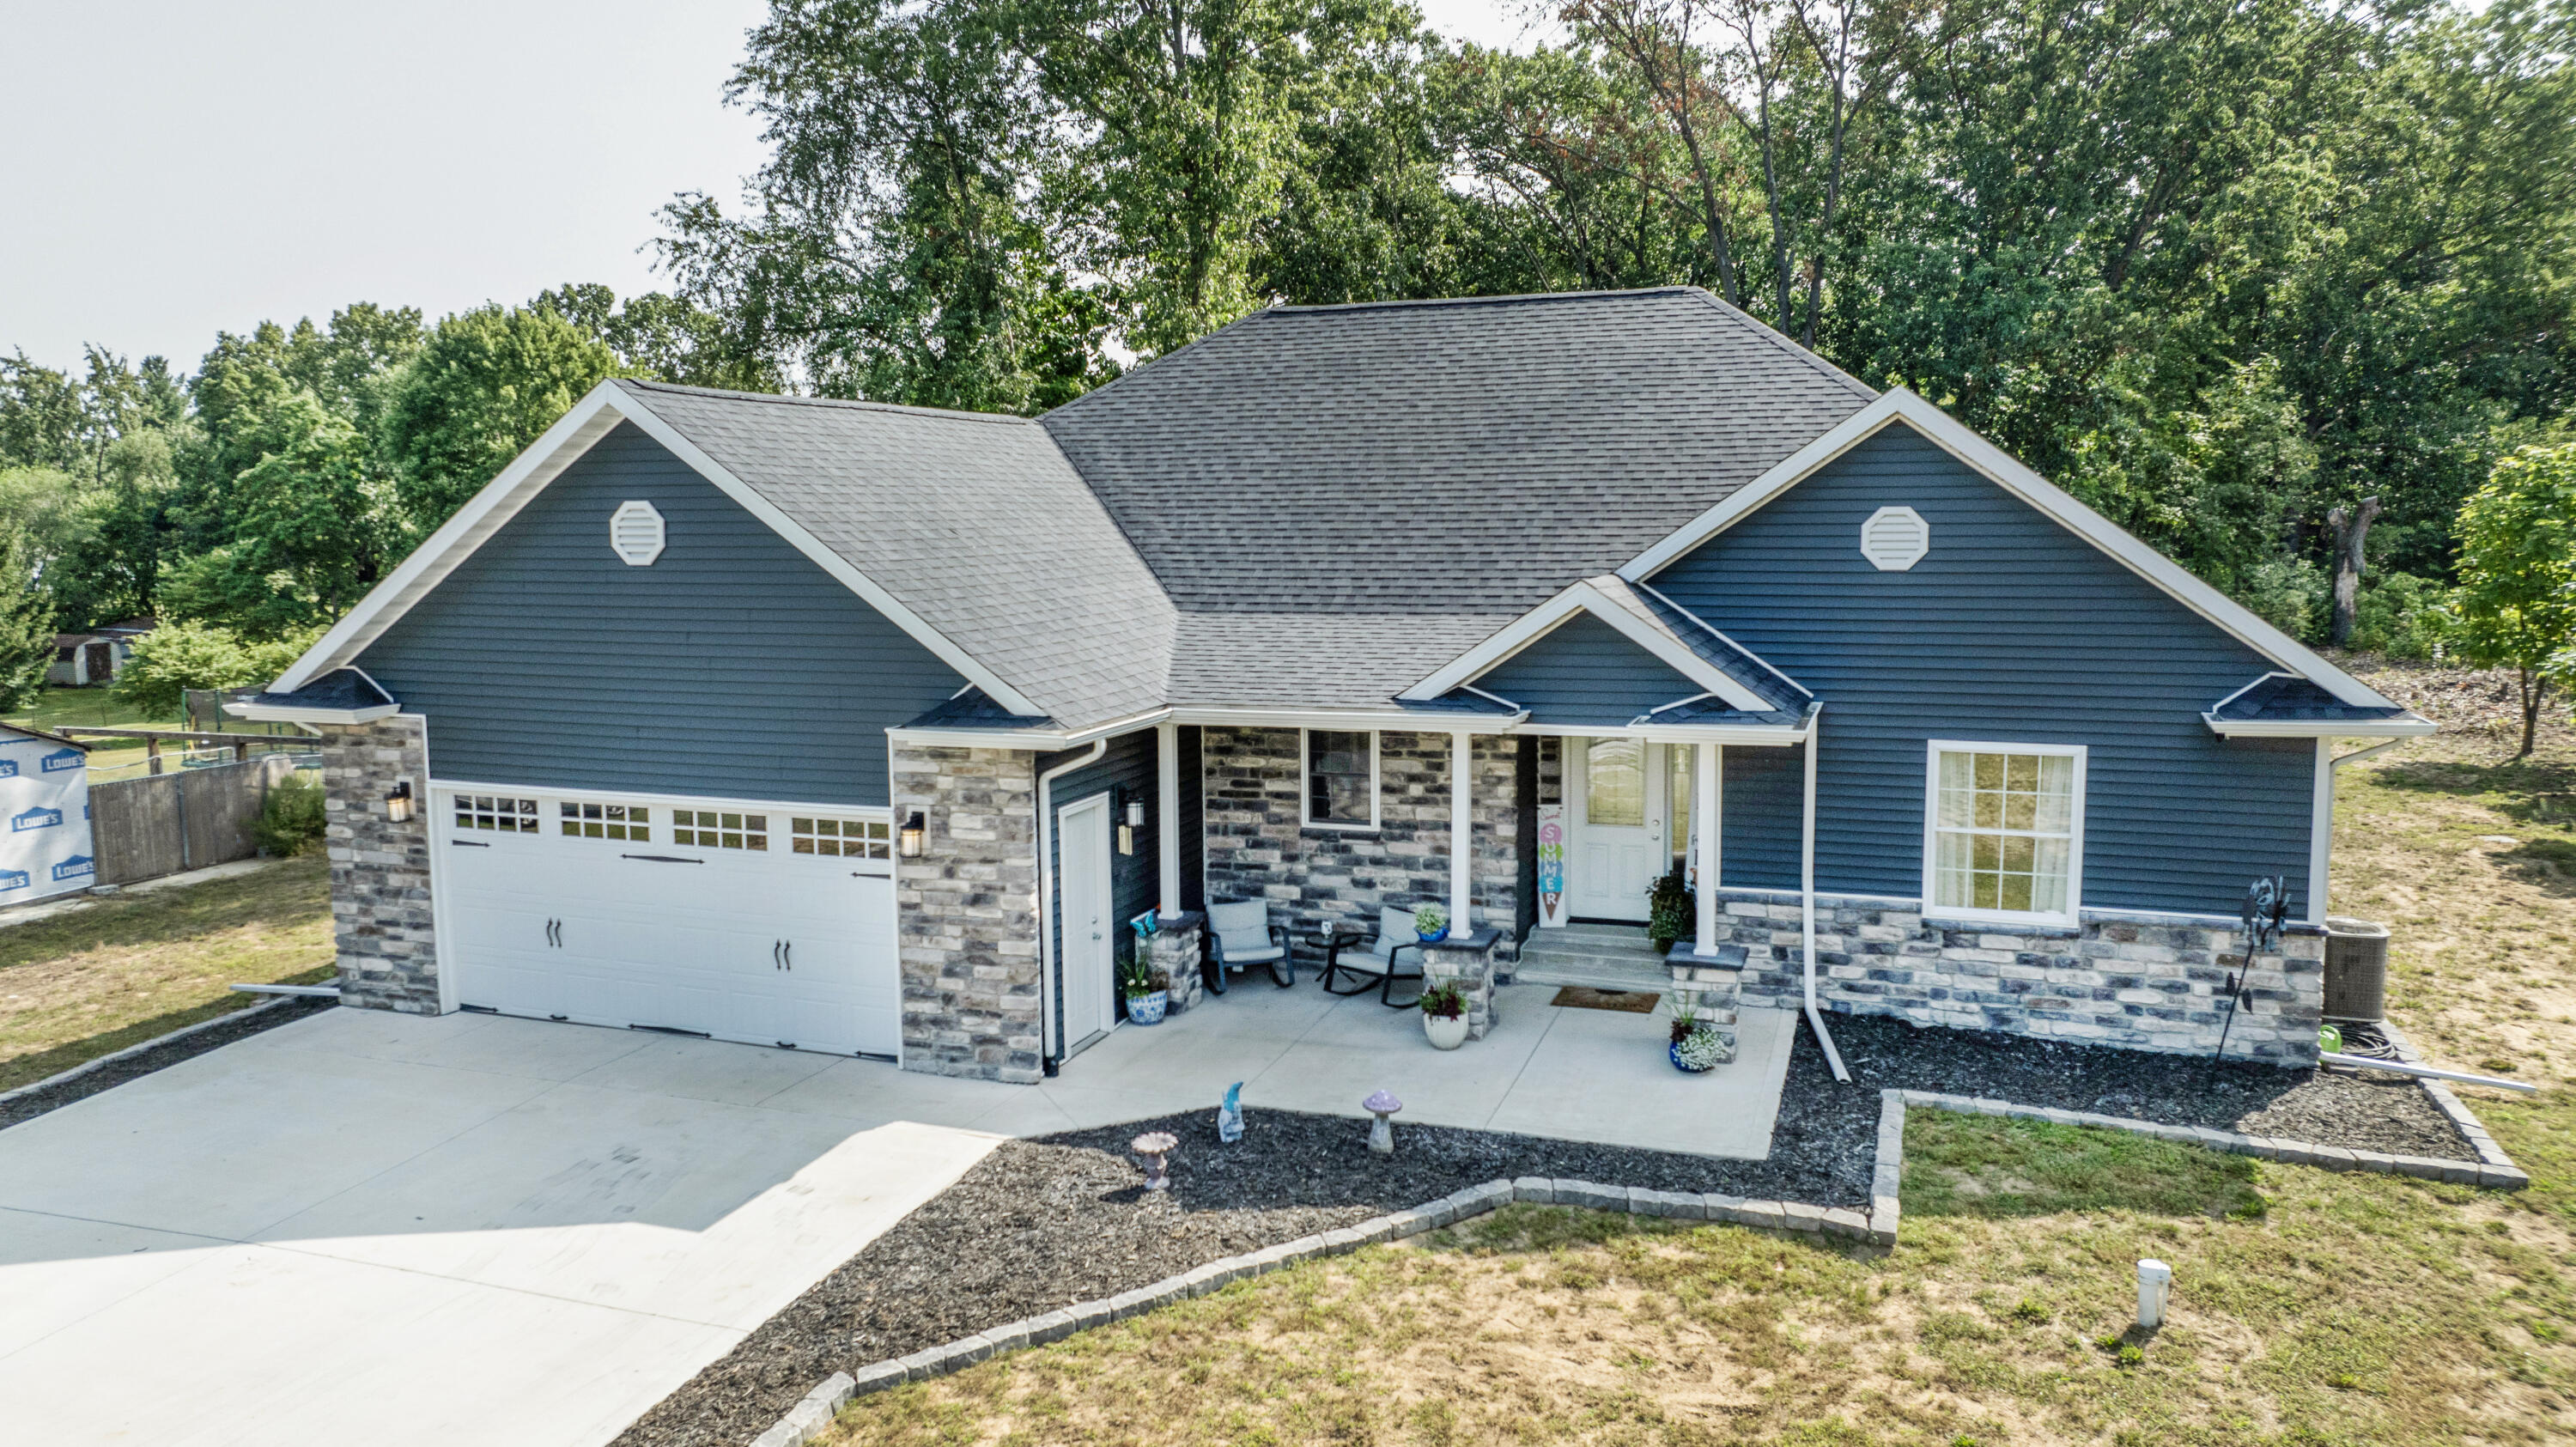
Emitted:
<point x="1125" y="772"/>
<point x="1759" y="813"/>
<point x="734" y="666"/>
<point x="2011" y="629"/>
<point x="1586" y="672"/>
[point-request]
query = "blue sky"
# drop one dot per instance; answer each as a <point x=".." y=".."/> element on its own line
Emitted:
<point x="176" y="169"/>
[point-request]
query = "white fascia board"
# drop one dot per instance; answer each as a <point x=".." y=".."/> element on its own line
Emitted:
<point x="2000" y="468"/>
<point x="2408" y="727"/>
<point x="1043" y="741"/>
<point x="271" y="713"/>
<point x="575" y="433"/>
<point x="1348" y="720"/>
<point x="1547" y="617"/>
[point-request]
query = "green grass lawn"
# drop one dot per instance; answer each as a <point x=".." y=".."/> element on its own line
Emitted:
<point x="2310" y="1308"/>
<point x="78" y="985"/>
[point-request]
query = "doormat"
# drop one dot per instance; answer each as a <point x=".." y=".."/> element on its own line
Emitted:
<point x="1631" y="1002"/>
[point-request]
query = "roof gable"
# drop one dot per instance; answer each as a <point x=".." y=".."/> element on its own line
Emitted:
<point x="1640" y="641"/>
<point x="1939" y="428"/>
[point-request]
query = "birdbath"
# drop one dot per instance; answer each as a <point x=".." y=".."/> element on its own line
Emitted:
<point x="1154" y="1146"/>
<point x="1382" y="1134"/>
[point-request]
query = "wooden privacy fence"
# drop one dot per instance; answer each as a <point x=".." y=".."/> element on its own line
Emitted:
<point x="163" y="823"/>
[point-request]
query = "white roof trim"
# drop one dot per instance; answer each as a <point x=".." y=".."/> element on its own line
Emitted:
<point x="576" y="433"/>
<point x="272" y="713"/>
<point x="1544" y="619"/>
<point x="2406" y="727"/>
<point x="1999" y="467"/>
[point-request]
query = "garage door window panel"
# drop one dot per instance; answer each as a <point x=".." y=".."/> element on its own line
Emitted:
<point x="496" y="814"/>
<point x="629" y="822"/>
<point x="841" y="838"/>
<point x="718" y="829"/>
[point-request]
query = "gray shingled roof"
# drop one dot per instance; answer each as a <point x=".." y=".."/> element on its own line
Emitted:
<point x="1452" y="457"/>
<point x="2281" y="698"/>
<point x="975" y="522"/>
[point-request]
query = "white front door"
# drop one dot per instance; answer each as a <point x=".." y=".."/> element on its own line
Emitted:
<point x="1616" y="787"/>
<point x="1090" y="934"/>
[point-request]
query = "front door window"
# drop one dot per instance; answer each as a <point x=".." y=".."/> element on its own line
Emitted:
<point x="1614" y="793"/>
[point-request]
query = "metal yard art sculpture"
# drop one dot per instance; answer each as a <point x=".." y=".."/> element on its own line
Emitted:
<point x="2266" y="908"/>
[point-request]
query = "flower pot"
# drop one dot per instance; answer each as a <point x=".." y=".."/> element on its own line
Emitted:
<point x="1148" y="1009"/>
<point x="1431" y="937"/>
<point x="1673" y="1052"/>
<point x="1445" y="1033"/>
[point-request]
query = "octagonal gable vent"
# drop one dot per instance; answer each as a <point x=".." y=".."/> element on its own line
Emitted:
<point x="635" y="532"/>
<point x="1895" y="539"/>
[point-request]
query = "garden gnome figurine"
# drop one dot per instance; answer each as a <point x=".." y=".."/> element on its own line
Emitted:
<point x="1229" y="1115"/>
<point x="1382" y="1134"/>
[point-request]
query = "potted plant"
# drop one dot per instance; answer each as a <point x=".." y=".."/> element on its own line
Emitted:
<point x="1148" y="992"/>
<point x="1696" y="1047"/>
<point x="1431" y="922"/>
<point x="1672" y="910"/>
<point x="1444" y="1015"/>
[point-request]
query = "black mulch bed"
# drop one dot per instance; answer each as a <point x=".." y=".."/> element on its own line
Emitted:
<point x="1042" y="1224"/>
<point x="238" y="1026"/>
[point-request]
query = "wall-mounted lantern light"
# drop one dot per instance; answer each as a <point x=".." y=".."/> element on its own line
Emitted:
<point x="398" y="803"/>
<point x="908" y="839"/>
<point x="1129" y="819"/>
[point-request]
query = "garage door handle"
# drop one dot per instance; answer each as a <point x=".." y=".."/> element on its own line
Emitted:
<point x="788" y="948"/>
<point x="662" y="858"/>
<point x="469" y="843"/>
<point x="863" y="874"/>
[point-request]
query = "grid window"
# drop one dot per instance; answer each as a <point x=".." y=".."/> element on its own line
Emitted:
<point x="629" y="822"/>
<point x="2004" y="831"/>
<point x="1341" y="779"/>
<point x="715" y="829"/>
<point x="845" y="838"/>
<point x="505" y="816"/>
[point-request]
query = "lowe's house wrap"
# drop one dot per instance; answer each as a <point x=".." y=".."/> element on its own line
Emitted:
<point x="44" y="794"/>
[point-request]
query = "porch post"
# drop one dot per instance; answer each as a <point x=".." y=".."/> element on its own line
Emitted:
<point x="1710" y="757"/>
<point x="1167" y="813"/>
<point x="1461" y="830"/>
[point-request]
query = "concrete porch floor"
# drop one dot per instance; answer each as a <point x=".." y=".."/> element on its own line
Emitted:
<point x="1589" y="1075"/>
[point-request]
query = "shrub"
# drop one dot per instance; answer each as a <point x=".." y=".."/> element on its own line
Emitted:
<point x="2403" y="616"/>
<point x="1672" y="909"/>
<point x="2292" y="594"/>
<point x="290" y="818"/>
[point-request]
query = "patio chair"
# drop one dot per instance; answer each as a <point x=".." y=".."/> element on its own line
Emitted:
<point x="1376" y="961"/>
<point x="1242" y="934"/>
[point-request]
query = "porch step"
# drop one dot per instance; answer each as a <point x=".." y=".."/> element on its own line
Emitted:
<point x="1603" y="957"/>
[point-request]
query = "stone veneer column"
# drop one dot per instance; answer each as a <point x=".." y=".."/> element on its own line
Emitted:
<point x="966" y="913"/>
<point x="1176" y="949"/>
<point x="380" y="904"/>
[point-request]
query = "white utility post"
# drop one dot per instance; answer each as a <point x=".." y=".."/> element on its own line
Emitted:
<point x="1462" y="831"/>
<point x="1710" y="758"/>
<point x="1167" y="812"/>
<point x="2155" y="1287"/>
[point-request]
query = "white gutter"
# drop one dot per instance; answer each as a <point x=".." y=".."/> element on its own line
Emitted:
<point x="1046" y="894"/>
<point x="1807" y="899"/>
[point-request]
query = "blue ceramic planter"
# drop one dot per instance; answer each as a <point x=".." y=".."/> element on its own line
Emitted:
<point x="1673" y="1052"/>
<point x="1432" y="938"/>
<point x="1148" y="1009"/>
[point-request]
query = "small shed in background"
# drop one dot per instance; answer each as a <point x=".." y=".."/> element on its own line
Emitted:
<point x="47" y="848"/>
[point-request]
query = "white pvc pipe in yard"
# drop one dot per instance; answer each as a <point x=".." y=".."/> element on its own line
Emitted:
<point x="2364" y="1062"/>
<point x="1807" y="899"/>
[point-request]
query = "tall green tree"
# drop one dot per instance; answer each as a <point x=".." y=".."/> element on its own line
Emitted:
<point x="484" y="385"/>
<point x="2517" y="595"/>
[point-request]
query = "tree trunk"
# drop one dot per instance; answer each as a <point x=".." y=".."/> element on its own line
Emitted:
<point x="2350" y="527"/>
<point x="2533" y="687"/>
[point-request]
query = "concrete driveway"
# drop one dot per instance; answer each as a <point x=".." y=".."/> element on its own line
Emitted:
<point x="465" y="1230"/>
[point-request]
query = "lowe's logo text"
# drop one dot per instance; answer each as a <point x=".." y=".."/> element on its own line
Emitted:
<point x="8" y="768"/>
<point x="36" y="818"/>
<point x="12" y="879"/>
<point x="59" y="760"/>
<point x="79" y="866"/>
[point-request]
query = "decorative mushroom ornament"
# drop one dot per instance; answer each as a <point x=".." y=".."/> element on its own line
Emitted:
<point x="1382" y="1134"/>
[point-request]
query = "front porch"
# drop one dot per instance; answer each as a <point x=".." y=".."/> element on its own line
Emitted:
<point x="1596" y="1076"/>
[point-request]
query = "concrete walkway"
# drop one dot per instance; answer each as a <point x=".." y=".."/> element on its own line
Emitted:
<point x="424" y="1232"/>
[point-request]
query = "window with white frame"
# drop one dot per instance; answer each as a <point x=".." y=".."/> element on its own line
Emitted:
<point x="1341" y="779"/>
<point x="2004" y="831"/>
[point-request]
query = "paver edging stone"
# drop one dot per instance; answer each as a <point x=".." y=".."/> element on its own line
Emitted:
<point x="809" y="1417"/>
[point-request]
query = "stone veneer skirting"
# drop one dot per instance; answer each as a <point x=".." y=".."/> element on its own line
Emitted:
<point x="966" y="913"/>
<point x="2142" y="984"/>
<point x="1257" y="849"/>
<point x="380" y="907"/>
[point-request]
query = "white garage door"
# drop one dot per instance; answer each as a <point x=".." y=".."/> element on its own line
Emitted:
<point x="767" y="923"/>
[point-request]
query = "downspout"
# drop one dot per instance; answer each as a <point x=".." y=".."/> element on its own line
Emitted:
<point x="1807" y="899"/>
<point x="1048" y="1059"/>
